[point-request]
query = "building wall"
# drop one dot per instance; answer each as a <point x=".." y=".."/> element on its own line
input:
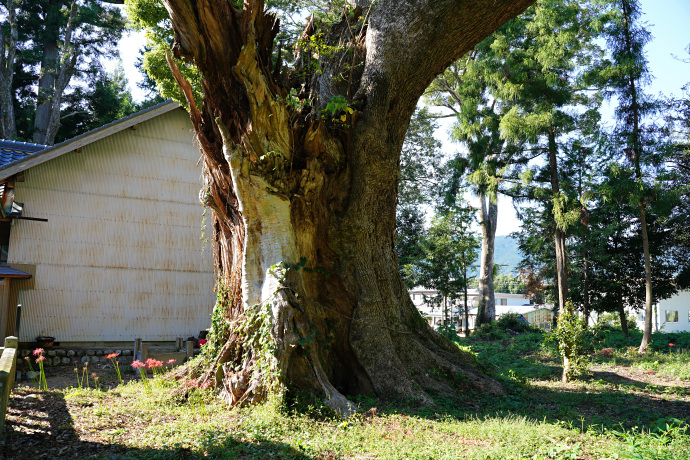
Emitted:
<point x="121" y="255"/>
<point x="677" y="306"/>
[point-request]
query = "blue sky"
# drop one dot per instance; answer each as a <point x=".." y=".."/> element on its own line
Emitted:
<point x="668" y="21"/>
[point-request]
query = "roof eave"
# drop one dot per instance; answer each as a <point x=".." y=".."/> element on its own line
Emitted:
<point x="84" y="139"/>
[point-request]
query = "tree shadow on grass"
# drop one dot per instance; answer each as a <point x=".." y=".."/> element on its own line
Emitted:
<point x="605" y="400"/>
<point x="42" y="427"/>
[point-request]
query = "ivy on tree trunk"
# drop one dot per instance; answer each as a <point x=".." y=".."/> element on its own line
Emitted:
<point x="302" y="167"/>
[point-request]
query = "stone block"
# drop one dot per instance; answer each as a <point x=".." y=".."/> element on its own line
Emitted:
<point x="60" y="353"/>
<point x="99" y="352"/>
<point x="56" y="361"/>
<point x="71" y="353"/>
<point x="81" y="353"/>
<point x="51" y="353"/>
<point x="126" y="352"/>
<point x="90" y="352"/>
<point x="84" y="359"/>
<point x="65" y="360"/>
<point x="94" y="359"/>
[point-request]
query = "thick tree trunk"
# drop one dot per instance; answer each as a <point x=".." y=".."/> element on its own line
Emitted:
<point x="488" y="216"/>
<point x="304" y="201"/>
<point x="57" y="67"/>
<point x="8" y="51"/>
<point x="586" y="308"/>
<point x="46" y="88"/>
<point x="623" y="318"/>
<point x="559" y="233"/>
<point x="648" y="304"/>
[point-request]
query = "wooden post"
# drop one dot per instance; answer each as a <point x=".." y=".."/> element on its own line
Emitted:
<point x="5" y="307"/>
<point x="137" y="346"/>
<point x="144" y="352"/>
<point x="190" y="349"/>
<point x="178" y="343"/>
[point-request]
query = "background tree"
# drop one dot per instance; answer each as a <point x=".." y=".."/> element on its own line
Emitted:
<point x="627" y="76"/>
<point x="54" y="42"/>
<point x="514" y="96"/>
<point x="420" y="176"/>
<point x="302" y="164"/>
<point x="449" y="249"/>
<point x="9" y="38"/>
<point x="106" y="98"/>
<point x="548" y="61"/>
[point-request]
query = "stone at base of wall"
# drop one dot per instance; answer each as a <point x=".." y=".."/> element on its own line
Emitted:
<point x="69" y="357"/>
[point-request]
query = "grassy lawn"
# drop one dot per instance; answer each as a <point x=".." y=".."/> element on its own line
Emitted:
<point x="629" y="407"/>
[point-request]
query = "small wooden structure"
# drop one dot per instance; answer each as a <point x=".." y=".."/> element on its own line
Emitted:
<point x="108" y="232"/>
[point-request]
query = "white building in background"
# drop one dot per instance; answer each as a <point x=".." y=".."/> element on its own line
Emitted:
<point x="505" y="303"/>
<point x="672" y="314"/>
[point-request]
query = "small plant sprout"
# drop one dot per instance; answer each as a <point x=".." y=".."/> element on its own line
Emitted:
<point x="116" y="364"/>
<point x="136" y="364"/>
<point x="31" y="368"/>
<point x="76" y="371"/>
<point x="85" y="374"/>
<point x="42" y="376"/>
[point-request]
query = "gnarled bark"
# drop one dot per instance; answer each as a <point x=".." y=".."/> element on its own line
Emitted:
<point x="304" y="199"/>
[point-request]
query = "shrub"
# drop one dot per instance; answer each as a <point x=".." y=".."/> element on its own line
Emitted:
<point x="571" y="334"/>
<point x="514" y="322"/>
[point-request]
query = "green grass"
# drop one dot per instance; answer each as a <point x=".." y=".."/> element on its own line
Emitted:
<point x="608" y="416"/>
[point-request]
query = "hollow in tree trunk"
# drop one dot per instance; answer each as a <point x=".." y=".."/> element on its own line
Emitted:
<point x="303" y="187"/>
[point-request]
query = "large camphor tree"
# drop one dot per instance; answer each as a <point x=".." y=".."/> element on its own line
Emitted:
<point x="302" y="166"/>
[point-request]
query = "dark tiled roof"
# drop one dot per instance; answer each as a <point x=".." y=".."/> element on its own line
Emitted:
<point x="11" y="151"/>
<point x="8" y="272"/>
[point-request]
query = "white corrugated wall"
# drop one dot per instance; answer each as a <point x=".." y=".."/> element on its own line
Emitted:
<point x="121" y="255"/>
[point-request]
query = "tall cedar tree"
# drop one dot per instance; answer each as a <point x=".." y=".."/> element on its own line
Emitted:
<point x="627" y="76"/>
<point x="302" y="162"/>
<point x="523" y="83"/>
<point x="465" y="90"/>
<point x="47" y="44"/>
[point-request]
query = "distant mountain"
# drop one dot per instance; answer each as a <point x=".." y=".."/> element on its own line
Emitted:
<point x="506" y="253"/>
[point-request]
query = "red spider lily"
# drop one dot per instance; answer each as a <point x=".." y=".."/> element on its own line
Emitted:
<point x="40" y="358"/>
<point x="112" y="355"/>
<point x="151" y="363"/>
<point x="671" y="345"/>
<point x="26" y="358"/>
<point x="206" y="384"/>
<point x="137" y="364"/>
<point x="171" y="361"/>
<point x="202" y="342"/>
<point x="38" y="351"/>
